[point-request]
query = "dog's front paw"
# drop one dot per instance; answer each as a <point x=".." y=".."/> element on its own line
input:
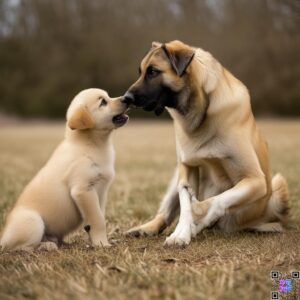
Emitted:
<point x="177" y="240"/>
<point x="180" y="237"/>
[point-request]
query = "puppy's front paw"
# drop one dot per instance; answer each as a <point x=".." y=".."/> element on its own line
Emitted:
<point x="104" y="244"/>
<point x="98" y="239"/>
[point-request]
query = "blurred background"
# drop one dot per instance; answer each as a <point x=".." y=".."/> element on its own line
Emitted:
<point x="51" y="49"/>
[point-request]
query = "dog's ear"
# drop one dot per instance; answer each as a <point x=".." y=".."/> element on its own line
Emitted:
<point x="155" y="45"/>
<point x="80" y="119"/>
<point x="180" y="56"/>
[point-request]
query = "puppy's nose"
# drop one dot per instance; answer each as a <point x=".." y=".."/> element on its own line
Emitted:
<point x="128" y="98"/>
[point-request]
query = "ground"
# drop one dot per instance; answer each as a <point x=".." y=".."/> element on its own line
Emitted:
<point x="214" y="266"/>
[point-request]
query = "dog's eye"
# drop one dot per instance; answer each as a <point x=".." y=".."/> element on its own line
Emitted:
<point x="103" y="103"/>
<point x="152" y="72"/>
<point x="140" y="70"/>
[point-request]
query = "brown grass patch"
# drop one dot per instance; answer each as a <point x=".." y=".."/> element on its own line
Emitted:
<point x="215" y="266"/>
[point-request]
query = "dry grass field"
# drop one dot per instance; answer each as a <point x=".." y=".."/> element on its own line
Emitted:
<point x="215" y="265"/>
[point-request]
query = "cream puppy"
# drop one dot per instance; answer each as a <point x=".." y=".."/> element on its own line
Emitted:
<point x="71" y="189"/>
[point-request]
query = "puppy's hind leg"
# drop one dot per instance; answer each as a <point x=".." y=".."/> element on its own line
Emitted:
<point x="24" y="229"/>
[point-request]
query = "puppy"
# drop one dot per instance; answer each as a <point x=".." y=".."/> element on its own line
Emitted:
<point x="72" y="187"/>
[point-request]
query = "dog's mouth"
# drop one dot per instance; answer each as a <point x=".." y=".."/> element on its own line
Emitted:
<point x="156" y="104"/>
<point x="120" y="120"/>
<point x="153" y="105"/>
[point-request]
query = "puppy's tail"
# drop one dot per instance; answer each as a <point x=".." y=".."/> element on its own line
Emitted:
<point x="278" y="205"/>
<point x="24" y="228"/>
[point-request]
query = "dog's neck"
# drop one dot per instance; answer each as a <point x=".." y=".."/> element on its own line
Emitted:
<point x="191" y="111"/>
<point x="209" y="96"/>
<point x="97" y="138"/>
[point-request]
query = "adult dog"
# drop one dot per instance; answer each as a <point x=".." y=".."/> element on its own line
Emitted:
<point x="223" y="174"/>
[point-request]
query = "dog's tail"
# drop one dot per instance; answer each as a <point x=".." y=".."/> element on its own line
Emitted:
<point x="278" y="205"/>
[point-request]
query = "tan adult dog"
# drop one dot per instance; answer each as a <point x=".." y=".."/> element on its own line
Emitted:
<point x="223" y="174"/>
<point x="72" y="187"/>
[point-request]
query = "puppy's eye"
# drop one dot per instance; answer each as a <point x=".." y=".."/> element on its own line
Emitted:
<point x="103" y="103"/>
<point x="152" y="72"/>
<point x="140" y="71"/>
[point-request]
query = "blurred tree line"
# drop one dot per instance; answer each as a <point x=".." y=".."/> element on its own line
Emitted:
<point x="51" y="49"/>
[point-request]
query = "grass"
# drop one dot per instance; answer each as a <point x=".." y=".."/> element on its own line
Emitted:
<point x="215" y="265"/>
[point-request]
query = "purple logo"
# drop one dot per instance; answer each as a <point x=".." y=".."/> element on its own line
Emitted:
<point x="285" y="285"/>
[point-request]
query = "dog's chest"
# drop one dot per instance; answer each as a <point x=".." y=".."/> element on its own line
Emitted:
<point x="103" y="169"/>
<point x="193" y="151"/>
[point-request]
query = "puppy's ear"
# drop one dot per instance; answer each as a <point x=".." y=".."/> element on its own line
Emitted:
<point x="180" y="55"/>
<point x="80" y="119"/>
<point x="155" y="45"/>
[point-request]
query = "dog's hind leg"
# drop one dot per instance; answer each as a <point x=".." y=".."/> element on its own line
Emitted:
<point x="167" y="212"/>
<point x="268" y="227"/>
<point x="24" y="230"/>
<point x="278" y="204"/>
<point x="245" y="192"/>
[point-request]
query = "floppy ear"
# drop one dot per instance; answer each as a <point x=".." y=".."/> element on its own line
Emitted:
<point x="179" y="55"/>
<point x="80" y="119"/>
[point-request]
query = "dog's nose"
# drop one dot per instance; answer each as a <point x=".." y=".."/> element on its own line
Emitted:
<point x="128" y="98"/>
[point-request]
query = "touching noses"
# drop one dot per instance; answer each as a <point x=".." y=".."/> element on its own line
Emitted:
<point x="128" y="98"/>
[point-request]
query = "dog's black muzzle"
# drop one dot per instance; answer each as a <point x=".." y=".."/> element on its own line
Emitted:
<point x="143" y="102"/>
<point x="137" y="100"/>
<point x="128" y="98"/>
